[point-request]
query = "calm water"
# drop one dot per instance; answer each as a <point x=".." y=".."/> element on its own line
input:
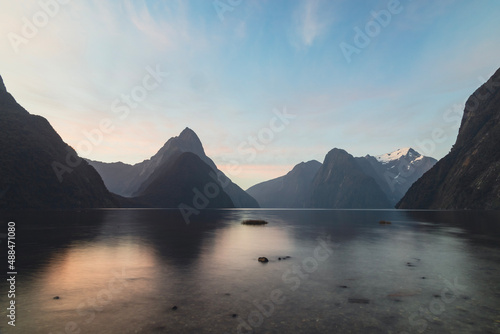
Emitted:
<point x="123" y="271"/>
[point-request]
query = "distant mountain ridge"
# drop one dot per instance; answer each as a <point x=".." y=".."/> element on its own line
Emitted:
<point x="133" y="180"/>
<point x="468" y="177"/>
<point x="345" y="181"/>
<point x="289" y="191"/>
<point x="31" y="152"/>
<point x="342" y="183"/>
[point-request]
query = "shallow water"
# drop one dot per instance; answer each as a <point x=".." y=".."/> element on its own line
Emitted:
<point x="123" y="271"/>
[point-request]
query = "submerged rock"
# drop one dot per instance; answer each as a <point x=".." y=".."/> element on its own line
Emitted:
<point x="384" y="222"/>
<point x="359" y="300"/>
<point x="263" y="259"/>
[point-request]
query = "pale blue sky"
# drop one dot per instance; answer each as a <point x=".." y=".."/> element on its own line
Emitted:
<point x="229" y="71"/>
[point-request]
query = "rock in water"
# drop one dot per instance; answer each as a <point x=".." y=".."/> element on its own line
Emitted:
<point x="254" y="222"/>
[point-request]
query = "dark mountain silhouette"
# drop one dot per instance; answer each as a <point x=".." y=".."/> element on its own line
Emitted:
<point x="395" y="172"/>
<point x="37" y="169"/>
<point x="289" y="191"/>
<point x="342" y="184"/>
<point x="132" y="180"/>
<point x="185" y="180"/>
<point x="469" y="176"/>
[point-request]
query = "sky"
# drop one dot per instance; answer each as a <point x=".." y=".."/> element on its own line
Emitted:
<point x="265" y="84"/>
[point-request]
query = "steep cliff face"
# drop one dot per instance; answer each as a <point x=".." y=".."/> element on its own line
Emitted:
<point x="469" y="176"/>
<point x="288" y="191"/>
<point x="37" y="169"/>
<point x="341" y="184"/>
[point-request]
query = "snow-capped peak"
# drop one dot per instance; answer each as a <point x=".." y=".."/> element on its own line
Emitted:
<point x="396" y="155"/>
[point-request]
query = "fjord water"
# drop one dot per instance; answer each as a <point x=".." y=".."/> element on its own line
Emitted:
<point x="123" y="271"/>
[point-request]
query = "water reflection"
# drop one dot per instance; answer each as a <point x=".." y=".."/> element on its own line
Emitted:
<point x="123" y="271"/>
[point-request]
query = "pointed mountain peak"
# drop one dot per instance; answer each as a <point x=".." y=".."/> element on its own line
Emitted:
<point x="407" y="152"/>
<point x="188" y="134"/>
<point x="186" y="141"/>
<point x="337" y="152"/>
<point x="190" y="138"/>
<point x="2" y="86"/>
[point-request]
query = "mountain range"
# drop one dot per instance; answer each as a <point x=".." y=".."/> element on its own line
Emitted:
<point x="39" y="170"/>
<point x="141" y="180"/>
<point x="343" y="181"/>
<point x="395" y="172"/>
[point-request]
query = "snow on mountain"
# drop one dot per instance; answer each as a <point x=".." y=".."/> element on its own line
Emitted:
<point x="398" y="154"/>
<point x="396" y="171"/>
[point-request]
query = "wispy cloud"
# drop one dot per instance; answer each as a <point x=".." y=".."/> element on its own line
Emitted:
<point x="312" y="18"/>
